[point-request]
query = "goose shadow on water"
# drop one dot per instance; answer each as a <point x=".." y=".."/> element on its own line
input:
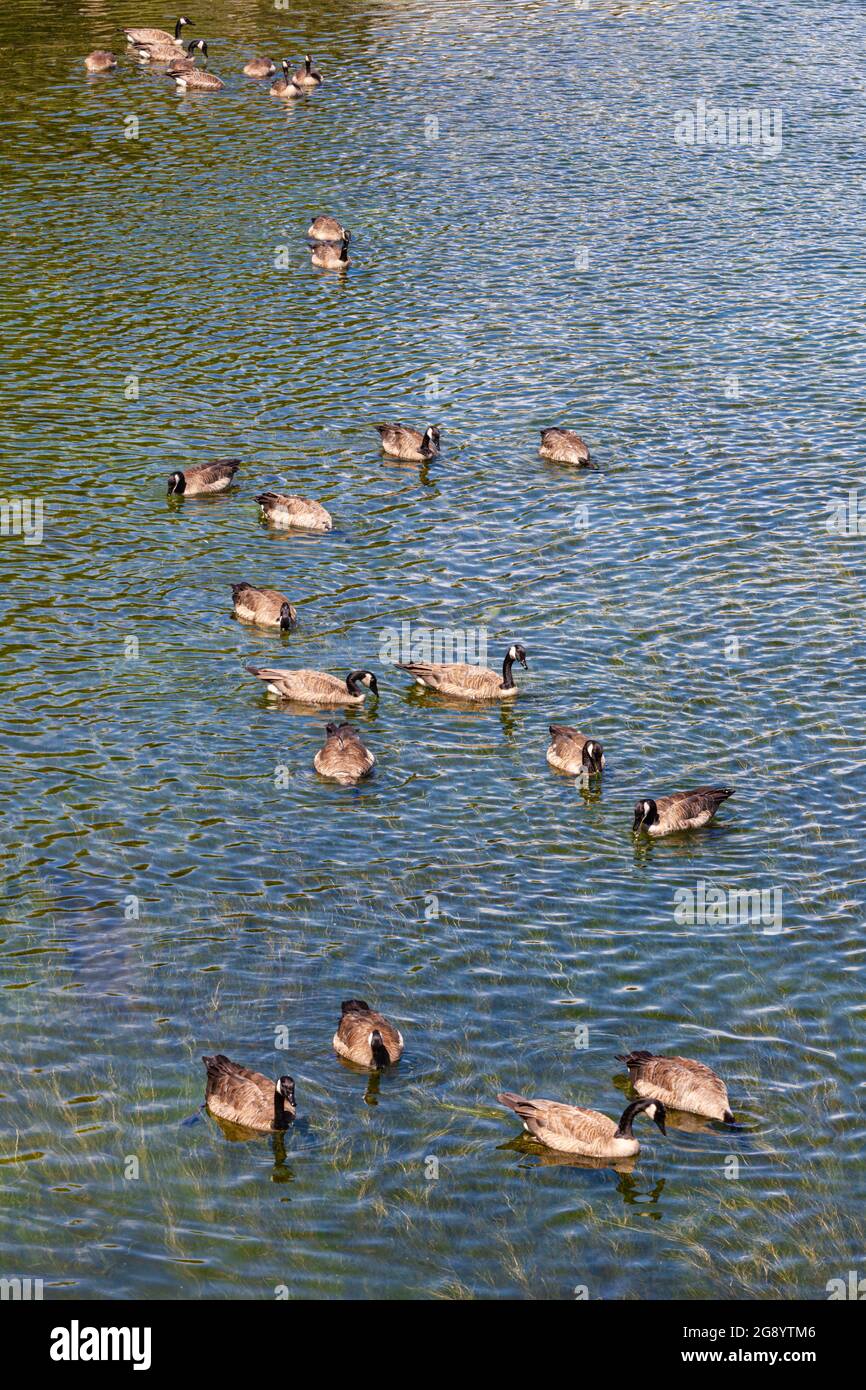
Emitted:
<point x="372" y="1076"/>
<point x="415" y="695"/>
<point x="634" y="1189"/>
<point x="240" y="1134"/>
<point x="420" y="470"/>
<point x="680" y="843"/>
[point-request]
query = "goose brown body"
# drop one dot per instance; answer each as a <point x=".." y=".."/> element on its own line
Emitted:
<point x="563" y="446"/>
<point x="196" y="80"/>
<point x="316" y="687"/>
<point x="294" y="513"/>
<point x="461" y="681"/>
<point x="247" y="1097"/>
<point x="413" y="445"/>
<point x="265" y="607"/>
<point x="664" y="815"/>
<point x="326" y="228"/>
<point x="204" y="478"/>
<point x="343" y="757"/>
<point x="573" y="1129"/>
<point x="572" y="752"/>
<point x="259" y="67"/>
<point x="160" y="36"/>
<point x="100" y="60"/>
<point x="366" y="1037"/>
<point x="679" y="1083"/>
<point x="330" y="255"/>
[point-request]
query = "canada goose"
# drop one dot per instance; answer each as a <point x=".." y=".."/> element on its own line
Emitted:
<point x="326" y="228"/>
<point x="146" y="36"/>
<point x="563" y="446"/>
<point x="679" y="1083"/>
<point x="246" y="1097"/>
<point x="466" y="682"/>
<point x="100" y="60"/>
<point x="167" y="52"/>
<point x="343" y="756"/>
<point x="305" y="76"/>
<point x="403" y="443"/>
<point x="365" y="1037"/>
<point x="330" y="255"/>
<point x="294" y="513"/>
<point x="259" y="67"/>
<point x="265" y="607"/>
<point x="317" y="687"/>
<point x="284" y="86"/>
<point x="575" y="1130"/>
<point x="680" y="811"/>
<point x="177" y="65"/>
<point x="205" y="477"/>
<point x="197" y="80"/>
<point x="572" y="752"/>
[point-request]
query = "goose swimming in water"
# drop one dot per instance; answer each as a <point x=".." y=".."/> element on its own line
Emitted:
<point x="204" y="478"/>
<point x="294" y="513"/>
<point x="317" y="687"/>
<point x="343" y="757"/>
<point x="365" y="1037"/>
<point x="680" y="1084"/>
<point x="100" y="60"/>
<point x="149" y="36"/>
<point x="197" y="80"/>
<point x="408" y="444"/>
<point x="247" y="1097"/>
<point x="664" y="815"/>
<point x="572" y="752"/>
<point x="563" y="446"/>
<point x="265" y="607"/>
<point x="259" y="67"/>
<point x="572" y="1129"/>
<point x="284" y="86"/>
<point x="305" y="76"/>
<point x="464" y="682"/>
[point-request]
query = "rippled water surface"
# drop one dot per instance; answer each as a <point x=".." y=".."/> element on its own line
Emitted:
<point x="531" y="246"/>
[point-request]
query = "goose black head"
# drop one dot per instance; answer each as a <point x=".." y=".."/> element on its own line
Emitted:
<point x="645" y="814"/>
<point x="518" y="653"/>
<point x="381" y="1056"/>
<point x="354" y="1006"/>
<point x="430" y="442"/>
<point x="182" y="21"/>
<point x="176" y="483"/>
<point x="285" y="1087"/>
<point x="285" y="616"/>
<point x="654" y="1111"/>
<point x="592" y="756"/>
<point x="308" y="61"/>
<point x="199" y="44"/>
<point x="365" y="678"/>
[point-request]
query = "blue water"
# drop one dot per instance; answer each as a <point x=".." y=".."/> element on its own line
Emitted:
<point x="530" y="246"/>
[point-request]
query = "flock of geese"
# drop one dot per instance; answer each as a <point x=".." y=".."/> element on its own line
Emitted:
<point x="364" y="1037"/>
<point x="254" y="1102"/>
<point x="158" y="46"/>
<point x="344" y="757"/>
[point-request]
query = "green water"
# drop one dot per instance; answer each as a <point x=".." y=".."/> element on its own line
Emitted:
<point x="531" y="246"/>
